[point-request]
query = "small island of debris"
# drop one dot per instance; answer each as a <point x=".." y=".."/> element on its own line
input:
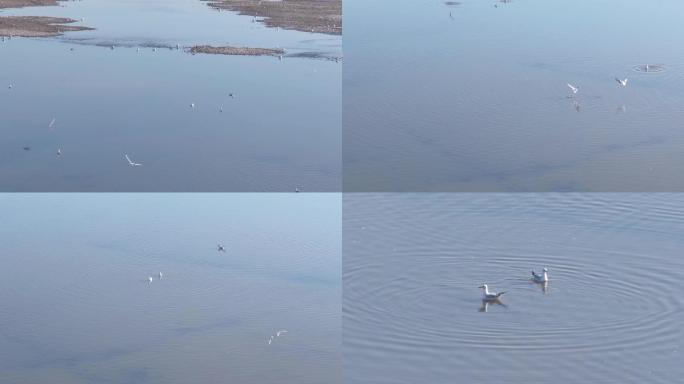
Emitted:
<point x="239" y="51"/>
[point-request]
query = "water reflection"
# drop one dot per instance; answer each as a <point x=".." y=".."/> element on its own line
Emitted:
<point x="486" y="303"/>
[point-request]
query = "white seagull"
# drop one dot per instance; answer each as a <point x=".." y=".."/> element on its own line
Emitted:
<point x="573" y="89"/>
<point x="541" y="278"/>
<point x="281" y="332"/>
<point x="59" y="151"/>
<point x="149" y="279"/>
<point x="490" y="296"/>
<point x="192" y="105"/>
<point x="622" y="82"/>
<point x="52" y="122"/>
<point x="10" y="86"/>
<point x="221" y="248"/>
<point x="132" y="164"/>
<point x="270" y="340"/>
<point x="161" y="275"/>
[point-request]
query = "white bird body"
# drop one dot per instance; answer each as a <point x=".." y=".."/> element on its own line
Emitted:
<point x="192" y="105"/>
<point x="52" y="122"/>
<point x="622" y="82"/>
<point x="490" y="296"/>
<point x="59" y="151"/>
<point x="161" y="275"/>
<point x="541" y="278"/>
<point x="573" y="89"/>
<point x="131" y="163"/>
<point x="149" y="279"/>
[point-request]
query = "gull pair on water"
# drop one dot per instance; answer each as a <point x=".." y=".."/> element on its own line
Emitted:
<point x="487" y="296"/>
<point x="574" y="89"/>
<point x="149" y="278"/>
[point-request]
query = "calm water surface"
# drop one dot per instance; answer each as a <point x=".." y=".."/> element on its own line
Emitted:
<point x="77" y="307"/>
<point x="612" y="312"/>
<point x="280" y="132"/>
<point x="478" y="101"/>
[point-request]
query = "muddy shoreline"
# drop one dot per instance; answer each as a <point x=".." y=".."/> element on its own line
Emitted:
<point x="26" y="3"/>
<point x="236" y="51"/>
<point x="34" y="26"/>
<point x="319" y="16"/>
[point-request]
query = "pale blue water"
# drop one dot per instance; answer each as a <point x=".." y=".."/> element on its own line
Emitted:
<point x="612" y="312"/>
<point x="77" y="307"/>
<point x="477" y="102"/>
<point x="280" y="132"/>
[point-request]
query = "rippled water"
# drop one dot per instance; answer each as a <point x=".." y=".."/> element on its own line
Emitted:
<point x="77" y="307"/>
<point x="280" y="132"/>
<point x="612" y="312"/>
<point x="478" y="101"/>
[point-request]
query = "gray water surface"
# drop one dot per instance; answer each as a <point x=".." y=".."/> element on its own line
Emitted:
<point x="77" y="306"/>
<point x="612" y="312"/>
<point x="478" y="101"/>
<point x="281" y="131"/>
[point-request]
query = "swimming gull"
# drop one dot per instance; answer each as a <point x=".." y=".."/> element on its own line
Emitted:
<point x="490" y="295"/>
<point x="541" y="278"/>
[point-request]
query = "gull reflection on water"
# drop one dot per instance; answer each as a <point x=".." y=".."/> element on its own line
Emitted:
<point x="486" y="303"/>
<point x="543" y="285"/>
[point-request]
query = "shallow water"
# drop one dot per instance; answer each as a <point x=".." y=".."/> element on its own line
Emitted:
<point x="612" y="312"/>
<point x="478" y="101"/>
<point x="280" y="132"/>
<point x="76" y="306"/>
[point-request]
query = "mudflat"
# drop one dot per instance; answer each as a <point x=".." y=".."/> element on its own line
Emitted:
<point x="319" y="16"/>
<point x="25" y="3"/>
<point x="34" y="26"/>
